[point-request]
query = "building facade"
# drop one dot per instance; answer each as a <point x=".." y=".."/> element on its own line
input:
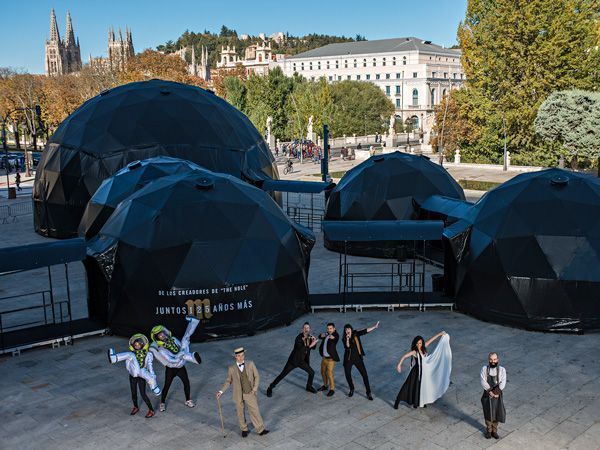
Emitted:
<point x="414" y="73"/>
<point x="258" y="58"/>
<point x="62" y="56"/>
<point x="198" y="69"/>
<point x="119" y="51"/>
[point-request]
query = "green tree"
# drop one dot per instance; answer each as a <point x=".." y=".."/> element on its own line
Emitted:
<point x="359" y="107"/>
<point x="516" y="53"/>
<point x="571" y="119"/>
<point x="235" y="92"/>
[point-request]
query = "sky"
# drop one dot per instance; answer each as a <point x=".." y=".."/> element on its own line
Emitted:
<point x="25" y="23"/>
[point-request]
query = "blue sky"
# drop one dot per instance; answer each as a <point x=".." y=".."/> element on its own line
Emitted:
<point x="25" y="23"/>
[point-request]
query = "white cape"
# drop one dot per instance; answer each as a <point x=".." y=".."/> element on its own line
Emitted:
<point x="435" y="375"/>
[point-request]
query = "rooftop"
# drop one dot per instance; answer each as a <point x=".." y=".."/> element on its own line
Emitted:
<point x="404" y="44"/>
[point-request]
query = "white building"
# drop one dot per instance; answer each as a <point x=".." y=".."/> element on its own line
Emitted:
<point x="258" y="58"/>
<point x="415" y="74"/>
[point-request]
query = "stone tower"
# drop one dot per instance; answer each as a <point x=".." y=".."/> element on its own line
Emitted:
<point x="62" y="56"/>
<point x="201" y="69"/>
<point x="119" y="50"/>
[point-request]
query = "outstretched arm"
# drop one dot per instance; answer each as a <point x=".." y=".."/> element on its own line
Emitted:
<point x="432" y="340"/>
<point x="374" y="327"/>
<point x="408" y="355"/>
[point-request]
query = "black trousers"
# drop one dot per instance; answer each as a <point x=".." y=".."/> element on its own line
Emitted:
<point x="170" y="374"/>
<point x="136" y="383"/>
<point x="289" y="367"/>
<point x="360" y="365"/>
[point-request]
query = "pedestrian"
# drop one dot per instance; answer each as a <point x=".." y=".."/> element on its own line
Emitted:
<point x="353" y="356"/>
<point x="328" y="352"/>
<point x="173" y="354"/>
<point x="244" y="378"/>
<point x="493" y="381"/>
<point x="18" y="181"/>
<point x="138" y="362"/>
<point x="299" y="358"/>
<point x="429" y="377"/>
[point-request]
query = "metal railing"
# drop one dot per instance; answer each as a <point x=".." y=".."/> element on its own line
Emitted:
<point x="14" y="211"/>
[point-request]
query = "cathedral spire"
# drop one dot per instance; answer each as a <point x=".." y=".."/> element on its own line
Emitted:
<point x="111" y="34"/>
<point x="54" y="35"/>
<point x="193" y="54"/>
<point x="70" y="36"/>
<point x="120" y="35"/>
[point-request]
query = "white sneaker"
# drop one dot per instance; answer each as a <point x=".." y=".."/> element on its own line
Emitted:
<point x="191" y="319"/>
<point x="112" y="356"/>
<point x="156" y="390"/>
<point x="190" y="404"/>
<point x="162" y="407"/>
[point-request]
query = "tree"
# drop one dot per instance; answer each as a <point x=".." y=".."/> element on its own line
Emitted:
<point x="152" y="64"/>
<point x="516" y="53"/>
<point x="235" y="92"/>
<point x="359" y="107"/>
<point x="571" y="119"/>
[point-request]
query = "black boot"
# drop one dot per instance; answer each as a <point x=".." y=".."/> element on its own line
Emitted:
<point x="351" y="393"/>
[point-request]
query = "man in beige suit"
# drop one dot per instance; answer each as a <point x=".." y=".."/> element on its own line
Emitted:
<point x="244" y="378"/>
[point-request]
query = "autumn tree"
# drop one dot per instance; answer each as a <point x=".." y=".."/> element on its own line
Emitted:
<point x="152" y="64"/>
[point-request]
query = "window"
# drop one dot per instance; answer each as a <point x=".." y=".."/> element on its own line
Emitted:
<point x="387" y="90"/>
<point x="374" y="62"/>
<point x="397" y="89"/>
<point x="337" y="65"/>
<point x="368" y="77"/>
<point x="348" y="77"/>
<point x="294" y="67"/>
<point x="454" y="76"/>
<point x="377" y="76"/>
<point x="461" y="76"/>
<point x="398" y="103"/>
<point x="415" y="97"/>
<point x="365" y="62"/>
<point x="327" y="64"/>
<point x="358" y="77"/>
<point x="433" y="74"/>
<point x="354" y="63"/>
<point x="312" y="78"/>
<point x="387" y="76"/>
<point x="330" y="78"/>
<point x="345" y="64"/>
<point x="319" y="65"/>
<point x="445" y="74"/>
<point x="383" y="62"/>
<point x="443" y="93"/>
<point x="398" y="76"/>
<point x="339" y="78"/>
<point x="302" y="66"/>
<point x="394" y="61"/>
<point x="404" y="60"/>
<point x="432" y="97"/>
<point x="310" y="65"/>
<point x="415" y="74"/>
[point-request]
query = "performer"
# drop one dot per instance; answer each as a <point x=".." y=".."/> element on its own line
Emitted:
<point x="353" y="356"/>
<point x="299" y="358"/>
<point x="138" y="362"/>
<point x="173" y="354"/>
<point x="328" y="351"/>
<point x="429" y="377"/>
<point x="493" y="381"/>
<point x="244" y="378"/>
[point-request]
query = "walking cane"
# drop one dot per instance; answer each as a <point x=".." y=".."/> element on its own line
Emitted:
<point x="221" y="414"/>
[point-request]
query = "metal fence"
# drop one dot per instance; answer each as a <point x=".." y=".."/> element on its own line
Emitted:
<point x="11" y="213"/>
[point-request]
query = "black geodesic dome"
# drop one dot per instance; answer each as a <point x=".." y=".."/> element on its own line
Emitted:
<point x="134" y="122"/>
<point x="207" y="244"/>
<point x="528" y="253"/>
<point x="386" y="187"/>
<point x="125" y="182"/>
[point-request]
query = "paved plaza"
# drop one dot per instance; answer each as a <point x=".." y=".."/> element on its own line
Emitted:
<point x="72" y="398"/>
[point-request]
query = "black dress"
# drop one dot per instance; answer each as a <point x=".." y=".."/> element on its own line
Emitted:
<point x="411" y="389"/>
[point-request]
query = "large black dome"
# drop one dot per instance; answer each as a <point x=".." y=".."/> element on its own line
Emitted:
<point x="201" y="243"/>
<point x="386" y="187"/>
<point x="528" y="253"/>
<point x="134" y="122"/>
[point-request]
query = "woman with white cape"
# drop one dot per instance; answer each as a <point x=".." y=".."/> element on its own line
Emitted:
<point x="429" y="377"/>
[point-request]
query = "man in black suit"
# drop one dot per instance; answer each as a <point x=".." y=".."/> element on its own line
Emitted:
<point x="328" y="351"/>
<point x="299" y="358"/>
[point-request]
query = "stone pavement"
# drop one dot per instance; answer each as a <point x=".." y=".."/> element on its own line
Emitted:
<point x="71" y="398"/>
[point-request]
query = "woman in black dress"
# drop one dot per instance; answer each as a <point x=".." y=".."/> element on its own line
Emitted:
<point x="410" y="391"/>
<point x="353" y="356"/>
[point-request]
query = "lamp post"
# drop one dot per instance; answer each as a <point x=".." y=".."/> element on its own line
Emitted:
<point x="504" y="159"/>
